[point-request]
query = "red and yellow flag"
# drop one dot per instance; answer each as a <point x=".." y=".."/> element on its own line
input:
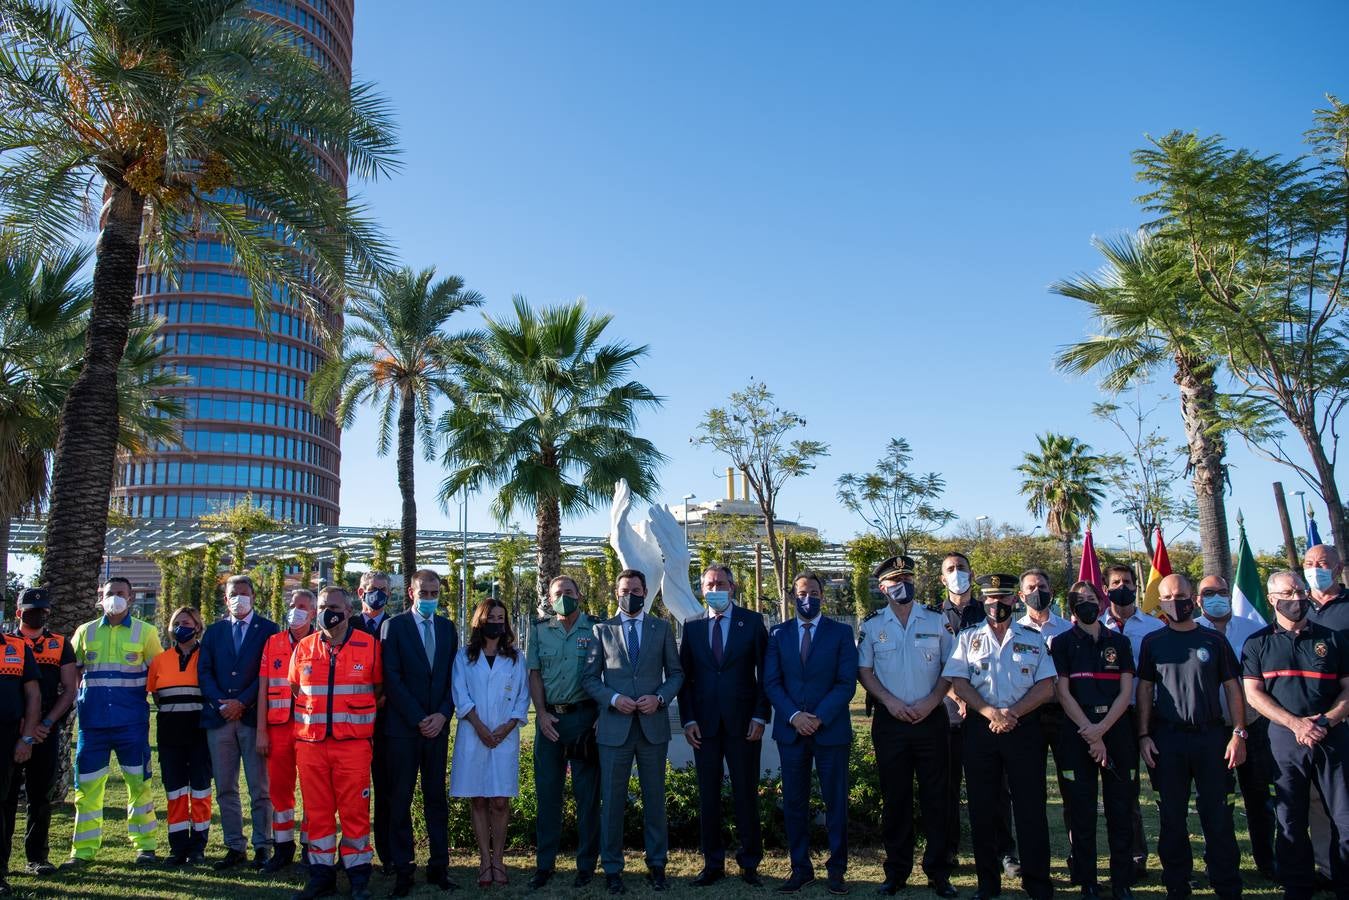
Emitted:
<point x="1161" y="567"/>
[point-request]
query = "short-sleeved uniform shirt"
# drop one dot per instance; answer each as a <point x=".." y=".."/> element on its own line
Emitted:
<point x="558" y="654"/>
<point x="1053" y="626"/>
<point x="17" y="668"/>
<point x="1003" y="672"/>
<point x="971" y="615"/>
<point x="1093" y="667"/>
<point x="1135" y="628"/>
<point x="1187" y="669"/>
<point x="114" y="660"/>
<point x="1300" y="670"/>
<point x="907" y="660"/>
<point x="1334" y="614"/>
<point x="51" y="652"/>
<point x="1239" y="630"/>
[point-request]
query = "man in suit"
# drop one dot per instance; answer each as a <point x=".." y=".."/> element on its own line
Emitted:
<point x="724" y="711"/>
<point x="633" y="673"/>
<point x="227" y="669"/>
<point x="373" y="592"/>
<point x="418" y="649"/>
<point x="810" y="676"/>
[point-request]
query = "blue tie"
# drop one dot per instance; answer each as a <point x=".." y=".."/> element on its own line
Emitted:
<point x="238" y="636"/>
<point x="429" y="641"/>
<point x="633" y="644"/>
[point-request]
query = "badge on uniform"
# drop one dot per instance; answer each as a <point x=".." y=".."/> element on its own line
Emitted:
<point x="882" y="638"/>
<point x="132" y="657"/>
<point x="276" y="663"/>
<point x="10" y="649"/>
<point x="582" y="643"/>
<point x="91" y="655"/>
<point x="976" y="642"/>
<point x="1321" y="649"/>
<point x="54" y="643"/>
<point x="1025" y="670"/>
<point x="359" y="667"/>
<point x="1111" y="656"/>
<point x="308" y="669"/>
<point x="1203" y="654"/>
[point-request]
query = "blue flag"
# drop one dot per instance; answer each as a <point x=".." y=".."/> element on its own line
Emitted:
<point x="1313" y="536"/>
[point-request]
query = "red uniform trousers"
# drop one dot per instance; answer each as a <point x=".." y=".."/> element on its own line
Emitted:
<point x="281" y="772"/>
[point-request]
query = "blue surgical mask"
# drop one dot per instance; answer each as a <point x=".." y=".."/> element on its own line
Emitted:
<point x="1319" y="579"/>
<point x="808" y="607"/>
<point x="717" y="601"/>
<point x="375" y="599"/>
<point x="1217" y="606"/>
<point x="427" y="608"/>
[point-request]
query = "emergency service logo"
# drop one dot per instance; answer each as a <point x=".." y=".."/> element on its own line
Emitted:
<point x="1203" y="654"/>
<point x="10" y="649"/>
<point x="276" y="663"/>
<point x="54" y="644"/>
<point x="1111" y="656"/>
<point x="1321" y="649"/>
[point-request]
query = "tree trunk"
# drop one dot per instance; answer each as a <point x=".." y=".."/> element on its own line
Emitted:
<point x="86" y="448"/>
<point x="407" y="438"/>
<point x="1329" y="490"/>
<point x="4" y="564"/>
<point x="1068" y="574"/>
<point x="779" y="564"/>
<point x="1198" y="398"/>
<point x="548" y="518"/>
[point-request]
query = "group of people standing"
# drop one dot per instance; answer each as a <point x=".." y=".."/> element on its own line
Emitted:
<point x="342" y="698"/>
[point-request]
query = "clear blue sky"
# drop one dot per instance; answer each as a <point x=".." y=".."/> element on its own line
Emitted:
<point x="861" y="204"/>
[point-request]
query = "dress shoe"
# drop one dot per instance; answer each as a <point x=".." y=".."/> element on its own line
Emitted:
<point x="261" y="855"/>
<point x="540" y="878"/>
<point x="40" y="868"/>
<point x="794" y="884"/>
<point x="942" y="888"/>
<point x="889" y="887"/>
<point x="836" y="885"/>
<point x="655" y="876"/>
<point x="751" y="877"/>
<point x="231" y="859"/>
<point x="315" y="888"/>
<point x="1011" y="866"/>
<point x="176" y="859"/>
<point x="708" y="877"/>
<point x="614" y="884"/>
<point x="146" y="858"/>
<point x="74" y="864"/>
<point x="583" y="878"/>
<point x="439" y="876"/>
<point x="196" y="858"/>
<point x="1091" y="892"/>
<point x="402" y="886"/>
<point x="281" y="858"/>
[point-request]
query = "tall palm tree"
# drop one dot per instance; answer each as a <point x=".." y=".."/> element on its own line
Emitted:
<point x="396" y="353"/>
<point x="1151" y="313"/>
<point x="1063" y="484"/>
<point x="550" y="421"/>
<point x="170" y="118"/>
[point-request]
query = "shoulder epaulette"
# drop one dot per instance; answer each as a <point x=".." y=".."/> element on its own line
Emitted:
<point x="543" y="620"/>
<point x="871" y="615"/>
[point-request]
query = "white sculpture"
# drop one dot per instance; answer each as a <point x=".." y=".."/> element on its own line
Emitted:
<point x="655" y="547"/>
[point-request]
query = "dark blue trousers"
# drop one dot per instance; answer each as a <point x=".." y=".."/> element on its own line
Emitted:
<point x="1298" y="771"/>
<point x="1194" y="759"/>
<point x="832" y="765"/>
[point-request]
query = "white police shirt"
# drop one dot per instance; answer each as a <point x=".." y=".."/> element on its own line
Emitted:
<point x="1054" y="625"/>
<point x="908" y="660"/>
<point x="1001" y="673"/>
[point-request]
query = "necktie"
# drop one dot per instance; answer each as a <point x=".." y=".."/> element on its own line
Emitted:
<point x="428" y="641"/>
<point x="238" y="636"/>
<point x="805" y="641"/>
<point x="633" y="643"/>
<point x="717" y="649"/>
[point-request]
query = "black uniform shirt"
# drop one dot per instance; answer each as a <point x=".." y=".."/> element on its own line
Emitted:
<point x="1301" y="670"/>
<point x="15" y="672"/>
<point x="49" y="674"/>
<point x="1093" y="667"/>
<point x="1188" y="669"/>
<point x="1334" y="615"/>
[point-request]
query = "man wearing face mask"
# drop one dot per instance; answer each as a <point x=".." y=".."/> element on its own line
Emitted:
<point x="1004" y="673"/>
<point x="1322" y="568"/>
<point x="632" y="673"/>
<point x="1296" y="673"/>
<point x="337" y="679"/>
<point x="374" y="596"/>
<point x="58" y="680"/>
<point x="373" y="592"/>
<point x="564" y="731"/>
<point x="1254" y="775"/>
<point x="901" y="650"/>
<point x="113" y="653"/>
<point x="228" y="666"/>
<point x="276" y="729"/>
<point x="810" y="676"/>
<point x="1182" y="737"/>
<point x="724" y="711"/>
<point x="418" y="651"/>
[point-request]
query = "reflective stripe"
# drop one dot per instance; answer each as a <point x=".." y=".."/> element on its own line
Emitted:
<point x="321" y="690"/>
<point x="141" y="827"/>
<point x="283" y="835"/>
<point x="136" y="629"/>
<point x="1300" y="673"/>
<point x="353" y="860"/>
<point x="143" y="809"/>
<point x="134" y="771"/>
<point x="201" y="826"/>
<point x="359" y="843"/>
<point x="176" y="793"/>
<point x="337" y="718"/>
<point x="119" y="683"/>
<point x="322" y="859"/>
<point x="93" y="776"/>
<point x="1099" y="676"/>
<point x="186" y="690"/>
<point x="178" y="826"/>
<point x="278" y="682"/>
<point x="180" y="707"/>
<point x="324" y="843"/>
<point x="282" y="816"/>
<point x="202" y="795"/>
<point x="89" y="834"/>
<point x="102" y="668"/>
<point x="279" y="704"/>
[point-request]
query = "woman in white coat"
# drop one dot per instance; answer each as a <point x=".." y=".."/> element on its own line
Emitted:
<point x="491" y="697"/>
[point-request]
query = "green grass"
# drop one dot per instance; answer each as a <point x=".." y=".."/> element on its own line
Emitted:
<point x="114" y="876"/>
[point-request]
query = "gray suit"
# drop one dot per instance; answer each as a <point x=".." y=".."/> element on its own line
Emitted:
<point x="621" y="738"/>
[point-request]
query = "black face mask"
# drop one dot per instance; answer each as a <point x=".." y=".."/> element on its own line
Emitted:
<point x="1122" y="596"/>
<point x="901" y="594"/>
<point x="331" y="618"/>
<point x="997" y="612"/>
<point x="34" y="618"/>
<point x="1292" y="608"/>
<point x="1038" y="600"/>
<point x="493" y="630"/>
<point x="1178" y="610"/>
<point x="375" y="599"/>
<point x="631" y="603"/>
<point x="1085" y="609"/>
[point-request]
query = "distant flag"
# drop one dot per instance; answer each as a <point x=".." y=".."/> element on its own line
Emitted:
<point x="1161" y="567"/>
<point x="1090" y="570"/>
<point x="1313" y="536"/>
<point x="1248" y="594"/>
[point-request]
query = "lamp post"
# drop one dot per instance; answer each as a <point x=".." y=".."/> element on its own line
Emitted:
<point x="687" y="498"/>
<point x="1302" y="502"/>
<point x="981" y="527"/>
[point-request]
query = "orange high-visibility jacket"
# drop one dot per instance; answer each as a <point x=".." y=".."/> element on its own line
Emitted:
<point x="173" y="681"/>
<point x="335" y="687"/>
<point x="274" y="675"/>
<point x="11" y="661"/>
<point x="48" y="650"/>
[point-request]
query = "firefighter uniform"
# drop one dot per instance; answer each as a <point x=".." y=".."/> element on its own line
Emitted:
<point x="184" y="758"/>
<point x="1093" y="667"/>
<point x="1187" y="670"/>
<point x="274" y="678"/>
<point x="114" y="718"/>
<point x="334" y="687"/>
<point x="1302" y="671"/>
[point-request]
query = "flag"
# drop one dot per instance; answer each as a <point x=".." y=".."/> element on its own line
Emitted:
<point x="1313" y="536"/>
<point x="1090" y="570"/>
<point x="1161" y="567"/>
<point x="1248" y="594"/>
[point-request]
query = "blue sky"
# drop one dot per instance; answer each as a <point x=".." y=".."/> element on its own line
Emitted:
<point x="860" y="204"/>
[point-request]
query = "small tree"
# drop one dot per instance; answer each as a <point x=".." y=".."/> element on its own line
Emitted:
<point x="899" y="505"/>
<point x="1063" y="484"/>
<point x="307" y="563"/>
<point x="508" y="553"/>
<point x="277" y="592"/>
<point x="241" y="520"/>
<point x="452" y="581"/>
<point x="1141" y="478"/>
<point x="863" y="553"/>
<point x="167" y="563"/>
<point x="210" y="582"/>
<point x="341" y="556"/>
<point x="382" y="544"/>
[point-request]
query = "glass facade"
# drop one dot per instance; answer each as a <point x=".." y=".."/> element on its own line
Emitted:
<point x="249" y="428"/>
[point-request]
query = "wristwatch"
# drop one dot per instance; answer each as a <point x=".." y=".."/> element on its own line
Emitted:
<point x="1321" y="721"/>
<point x="28" y="739"/>
<point x="47" y="723"/>
<point x="1241" y="733"/>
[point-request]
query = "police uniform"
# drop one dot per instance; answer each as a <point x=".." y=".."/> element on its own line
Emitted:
<point x="907" y="659"/>
<point x="18" y="669"/>
<point x="1053" y="722"/>
<point x="1003" y="673"/>
<point x="1302" y="671"/>
<point x="558" y="654"/>
<point x="1093" y="667"/>
<point x="184" y="757"/>
<point x="1187" y="671"/>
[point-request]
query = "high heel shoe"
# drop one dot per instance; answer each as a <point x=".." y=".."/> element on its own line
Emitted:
<point x="499" y="873"/>
<point x="485" y="875"/>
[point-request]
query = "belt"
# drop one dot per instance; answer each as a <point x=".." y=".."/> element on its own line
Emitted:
<point x="558" y="709"/>
<point x="1192" y="729"/>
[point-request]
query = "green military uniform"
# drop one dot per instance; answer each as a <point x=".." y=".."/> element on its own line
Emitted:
<point x="558" y="654"/>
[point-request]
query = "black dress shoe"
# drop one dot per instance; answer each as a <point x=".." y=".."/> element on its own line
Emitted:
<point x="943" y="888"/>
<point x="439" y="876"/>
<point x="260" y="857"/>
<point x="794" y="884"/>
<point x="583" y="878"/>
<point x="402" y="886"/>
<point x="890" y="887"/>
<point x="836" y="885"/>
<point x="231" y="859"/>
<point x="540" y="878"/>
<point x="751" y="877"/>
<point x="614" y="884"/>
<point x="315" y="889"/>
<point x="708" y="877"/>
<point x="196" y="858"/>
<point x="655" y="876"/>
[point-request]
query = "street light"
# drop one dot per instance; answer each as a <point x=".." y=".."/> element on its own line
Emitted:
<point x="687" y="498"/>
<point x="1302" y="502"/>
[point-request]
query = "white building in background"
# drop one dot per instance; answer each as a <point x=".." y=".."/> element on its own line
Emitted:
<point x="694" y="515"/>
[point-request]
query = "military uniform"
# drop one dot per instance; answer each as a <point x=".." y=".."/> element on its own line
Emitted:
<point x="1003" y="673"/>
<point x="558" y="654"/>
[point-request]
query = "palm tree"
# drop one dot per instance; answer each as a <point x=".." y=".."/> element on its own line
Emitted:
<point x="1063" y="484"/>
<point x="171" y="118"/>
<point x="396" y="353"/>
<point x="1151" y="312"/>
<point x="550" y="421"/>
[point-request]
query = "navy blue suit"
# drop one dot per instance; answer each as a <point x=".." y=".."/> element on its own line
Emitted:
<point x="823" y="685"/>
<point x="223" y="675"/>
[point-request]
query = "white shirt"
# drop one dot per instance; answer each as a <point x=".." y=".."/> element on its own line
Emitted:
<point x="246" y="621"/>
<point x="1053" y="626"/>
<point x="1002" y="673"/>
<point x="1135" y="628"/>
<point x="906" y="659"/>
<point x="1239" y="629"/>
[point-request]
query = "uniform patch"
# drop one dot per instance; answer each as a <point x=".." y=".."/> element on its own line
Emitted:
<point x="276" y="663"/>
<point x="308" y="669"/>
<point x="976" y="642"/>
<point x="91" y="655"/>
<point x="365" y="794"/>
<point x="1321" y="649"/>
<point x="131" y="657"/>
<point x="1025" y="670"/>
<point x="53" y="644"/>
<point x="359" y="667"/>
<point x="882" y="638"/>
<point x="582" y="643"/>
<point x="1110" y="656"/>
<point x="1203" y="654"/>
<point x="11" y="650"/>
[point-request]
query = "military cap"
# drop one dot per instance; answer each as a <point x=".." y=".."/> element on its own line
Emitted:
<point x="893" y="567"/>
<point x="35" y="598"/>
<point x="997" y="585"/>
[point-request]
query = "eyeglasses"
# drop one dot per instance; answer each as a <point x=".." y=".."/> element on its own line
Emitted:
<point x="1288" y="595"/>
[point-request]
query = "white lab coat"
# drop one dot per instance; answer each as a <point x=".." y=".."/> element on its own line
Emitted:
<point x="499" y="692"/>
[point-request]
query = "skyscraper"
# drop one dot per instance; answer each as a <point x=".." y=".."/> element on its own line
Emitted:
<point x="249" y="428"/>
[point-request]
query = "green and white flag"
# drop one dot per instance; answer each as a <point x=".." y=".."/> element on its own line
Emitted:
<point x="1248" y="593"/>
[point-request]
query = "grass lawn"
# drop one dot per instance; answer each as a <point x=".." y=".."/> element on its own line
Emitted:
<point x="113" y="876"/>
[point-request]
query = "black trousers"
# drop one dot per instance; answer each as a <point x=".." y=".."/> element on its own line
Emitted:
<point x="9" y="736"/>
<point x="1053" y="723"/>
<point x="1015" y="761"/>
<point x="1194" y="759"/>
<point x="405" y="756"/>
<point x="1118" y="792"/>
<point x="1255" y="777"/>
<point x="37" y="778"/>
<point x="1138" y="843"/>
<point x="727" y="752"/>
<point x="1298" y="771"/>
<point x="186" y="764"/>
<point x="905" y="750"/>
<point x="1005" y="841"/>
<point x="380" y="823"/>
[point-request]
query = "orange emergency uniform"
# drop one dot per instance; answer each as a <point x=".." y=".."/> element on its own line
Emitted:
<point x="281" y="769"/>
<point x="334" y="689"/>
<point x="184" y="760"/>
